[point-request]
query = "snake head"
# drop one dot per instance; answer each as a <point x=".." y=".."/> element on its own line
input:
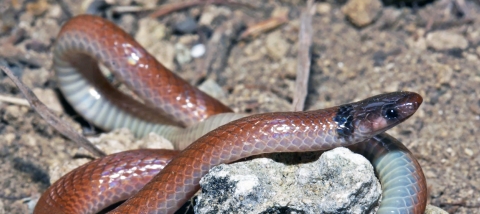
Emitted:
<point x="376" y="114"/>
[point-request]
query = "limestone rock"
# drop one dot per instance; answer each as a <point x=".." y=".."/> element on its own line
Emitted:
<point x="328" y="185"/>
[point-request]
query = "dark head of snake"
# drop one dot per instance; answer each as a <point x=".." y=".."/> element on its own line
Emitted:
<point x="375" y="114"/>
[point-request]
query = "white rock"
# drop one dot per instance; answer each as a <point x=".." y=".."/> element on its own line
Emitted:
<point x="329" y="184"/>
<point x="444" y="40"/>
<point x="198" y="50"/>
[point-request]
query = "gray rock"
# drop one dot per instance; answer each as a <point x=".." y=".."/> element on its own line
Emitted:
<point x="444" y="40"/>
<point x="434" y="210"/>
<point x="186" y="26"/>
<point x="328" y="185"/>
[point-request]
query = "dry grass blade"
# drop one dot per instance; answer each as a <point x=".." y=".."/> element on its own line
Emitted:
<point x="57" y="123"/>
<point x="303" y="60"/>
<point x="257" y="29"/>
<point x="14" y="100"/>
<point x="169" y="8"/>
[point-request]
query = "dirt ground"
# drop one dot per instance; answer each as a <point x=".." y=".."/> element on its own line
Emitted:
<point x="431" y="48"/>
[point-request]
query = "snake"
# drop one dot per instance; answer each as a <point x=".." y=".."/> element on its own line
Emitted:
<point x="205" y="132"/>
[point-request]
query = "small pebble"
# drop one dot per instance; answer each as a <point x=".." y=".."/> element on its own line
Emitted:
<point x="468" y="152"/>
<point x="276" y="45"/>
<point x="198" y="50"/>
<point x="362" y="12"/>
<point x="182" y="54"/>
<point x="186" y="26"/>
<point x="324" y="8"/>
<point x="444" y="40"/>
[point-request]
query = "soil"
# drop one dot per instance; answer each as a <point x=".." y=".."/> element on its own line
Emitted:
<point x="430" y="48"/>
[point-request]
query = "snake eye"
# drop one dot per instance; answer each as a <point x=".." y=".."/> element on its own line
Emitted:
<point x="391" y="113"/>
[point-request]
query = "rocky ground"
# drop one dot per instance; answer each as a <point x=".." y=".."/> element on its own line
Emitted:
<point x="430" y="47"/>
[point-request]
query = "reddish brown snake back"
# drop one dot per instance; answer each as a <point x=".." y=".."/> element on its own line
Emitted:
<point x="86" y="37"/>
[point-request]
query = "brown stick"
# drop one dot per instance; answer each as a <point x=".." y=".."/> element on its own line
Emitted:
<point x="48" y="115"/>
<point x="303" y="60"/>
<point x="166" y="9"/>
<point x="263" y="26"/>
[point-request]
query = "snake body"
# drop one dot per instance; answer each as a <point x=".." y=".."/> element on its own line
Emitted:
<point x="219" y="136"/>
<point x="404" y="189"/>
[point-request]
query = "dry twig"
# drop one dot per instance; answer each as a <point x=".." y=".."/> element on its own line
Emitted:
<point x="14" y="100"/>
<point x="263" y="26"/>
<point x="169" y="8"/>
<point x="47" y="114"/>
<point x="303" y="60"/>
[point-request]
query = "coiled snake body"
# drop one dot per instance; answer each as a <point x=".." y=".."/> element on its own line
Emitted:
<point x="218" y="135"/>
